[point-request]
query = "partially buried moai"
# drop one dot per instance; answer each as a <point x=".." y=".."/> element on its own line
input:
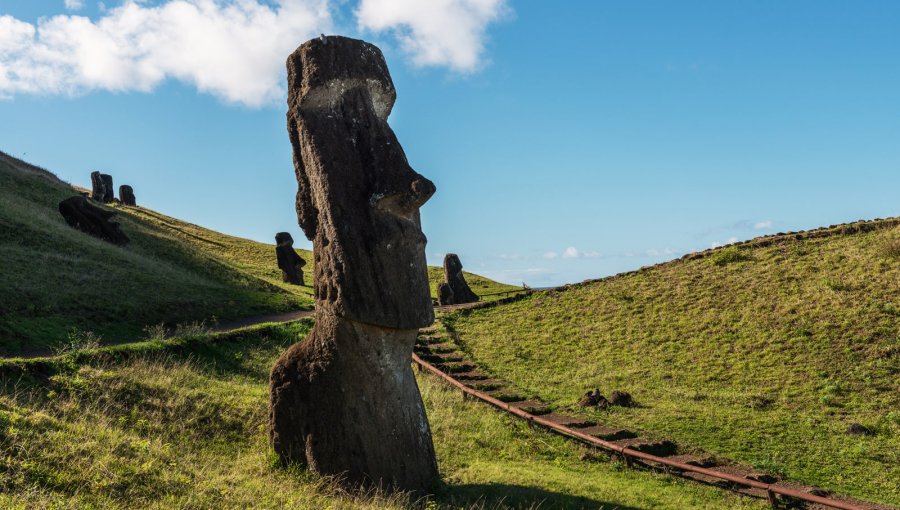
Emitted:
<point x="455" y="290"/>
<point x="289" y="262"/>
<point x="126" y="195"/>
<point x="344" y="401"/>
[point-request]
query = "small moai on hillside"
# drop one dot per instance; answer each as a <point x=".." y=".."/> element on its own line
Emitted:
<point x="445" y="294"/>
<point x="102" y="187"/>
<point x="126" y="195"/>
<point x="345" y="401"/>
<point x="289" y="262"/>
<point x="460" y="292"/>
<point x="81" y="214"/>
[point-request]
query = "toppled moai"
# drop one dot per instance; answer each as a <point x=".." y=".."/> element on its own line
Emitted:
<point x="289" y="262"/>
<point x="126" y="195"/>
<point x="459" y="291"/>
<point x="102" y="187"/>
<point x="80" y="213"/>
<point x="344" y="401"/>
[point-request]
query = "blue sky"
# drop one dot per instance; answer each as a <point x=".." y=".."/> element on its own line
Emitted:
<point x="568" y="140"/>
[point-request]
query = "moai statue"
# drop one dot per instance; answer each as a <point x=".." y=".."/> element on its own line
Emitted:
<point x="445" y="294"/>
<point x="126" y="195"/>
<point x="344" y="401"/>
<point x="289" y="262"/>
<point x="453" y="276"/>
<point x="80" y="213"/>
<point x="98" y="186"/>
<point x="102" y="187"/>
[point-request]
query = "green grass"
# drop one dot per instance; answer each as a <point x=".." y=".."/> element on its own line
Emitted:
<point x="58" y="282"/>
<point x="181" y="424"/>
<point x="488" y="289"/>
<point x="764" y="355"/>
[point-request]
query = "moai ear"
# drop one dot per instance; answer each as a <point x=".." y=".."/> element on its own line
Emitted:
<point x="307" y="214"/>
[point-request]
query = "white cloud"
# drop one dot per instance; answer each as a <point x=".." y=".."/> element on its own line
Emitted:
<point x="435" y="32"/>
<point x="74" y="5"/>
<point x="731" y="240"/>
<point x="232" y="49"/>
<point x="551" y="255"/>
<point x="570" y="253"/>
<point x="761" y="225"/>
<point x="592" y="254"/>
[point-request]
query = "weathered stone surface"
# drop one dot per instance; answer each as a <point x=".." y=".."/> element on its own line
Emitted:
<point x="126" y="195"/>
<point x="80" y="213"/>
<point x="102" y="187"/>
<point x="289" y="262"/>
<point x="445" y="294"/>
<point x="344" y="401"/>
<point x="453" y="276"/>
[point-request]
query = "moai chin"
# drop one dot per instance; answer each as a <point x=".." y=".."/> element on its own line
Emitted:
<point x="344" y="401"/>
<point x="289" y="262"/>
<point x="459" y="291"/>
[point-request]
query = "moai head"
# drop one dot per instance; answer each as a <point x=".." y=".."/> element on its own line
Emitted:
<point x="358" y="198"/>
<point x="452" y="265"/>
<point x="284" y="239"/>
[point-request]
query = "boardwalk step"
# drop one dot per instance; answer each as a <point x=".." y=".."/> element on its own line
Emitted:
<point x="607" y="433"/>
<point x="532" y="406"/>
<point x="487" y="384"/>
<point x="506" y="396"/>
<point x="662" y="448"/>
<point x="704" y="461"/>
<point x="443" y="357"/>
<point x="568" y="421"/>
<point x="472" y="375"/>
<point x="456" y="367"/>
<point x="436" y="348"/>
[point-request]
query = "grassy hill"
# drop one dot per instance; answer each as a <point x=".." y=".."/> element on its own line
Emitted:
<point x="181" y="424"/>
<point x="59" y="284"/>
<point x="765" y="352"/>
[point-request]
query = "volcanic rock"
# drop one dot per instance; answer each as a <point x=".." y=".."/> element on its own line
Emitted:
<point x="80" y="213"/>
<point x="289" y="262"/>
<point x="344" y="401"/>
<point x="126" y="195"/>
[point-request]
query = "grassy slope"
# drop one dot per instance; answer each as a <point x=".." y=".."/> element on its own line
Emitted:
<point x="764" y="355"/>
<point x="181" y="425"/>
<point x="56" y="279"/>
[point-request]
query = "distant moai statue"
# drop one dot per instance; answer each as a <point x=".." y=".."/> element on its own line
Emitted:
<point x="102" y="187"/>
<point x="126" y="195"/>
<point x="80" y="213"/>
<point x="344" y="401"/>
<point x="455" y="290"/>
<point x="289" y="262"/>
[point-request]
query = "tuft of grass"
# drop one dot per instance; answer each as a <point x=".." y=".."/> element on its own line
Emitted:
<point x="184" y="427"/>
<point x="729" y="255"/>
<point x="891" y="249"/>
<point x="767" y="363"/>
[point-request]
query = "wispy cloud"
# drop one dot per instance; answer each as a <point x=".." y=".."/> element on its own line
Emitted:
<point x="448" y="33"/>
<point x="762" y="225"/>
<point x="74" y="5"/>
<point x="570" y="253"/>
<point x="731" y="240"/>
<point x="551" y="255"/>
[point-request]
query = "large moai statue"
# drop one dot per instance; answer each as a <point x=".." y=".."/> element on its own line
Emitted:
<point x="344" y="401"/>
<point x="102" y="187"/>
<point x="289" y="262"/>
<point x="126" y="195"/>
<point x="455" y="290"/>
<point x="80" y="213"/>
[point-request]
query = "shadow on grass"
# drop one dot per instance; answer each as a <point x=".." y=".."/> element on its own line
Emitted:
<point x="490" y="496"/>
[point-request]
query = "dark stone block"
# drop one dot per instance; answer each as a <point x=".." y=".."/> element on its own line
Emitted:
<point x="289" y="262"/>
<point x="345" y="401"/>
<point x="80" y="213"/>
<point x="126" y="195"/>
